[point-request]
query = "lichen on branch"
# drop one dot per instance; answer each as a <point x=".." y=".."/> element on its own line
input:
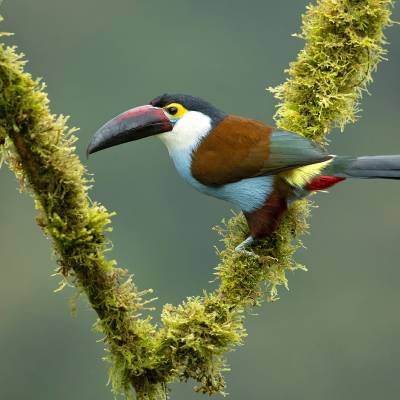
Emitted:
<point x="343" y="46"/>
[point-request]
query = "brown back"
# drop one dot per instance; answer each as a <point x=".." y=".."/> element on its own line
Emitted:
<point x="236" y="149"/>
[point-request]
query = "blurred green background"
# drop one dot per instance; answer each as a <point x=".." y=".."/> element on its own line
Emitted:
<point x="335" y="335"/>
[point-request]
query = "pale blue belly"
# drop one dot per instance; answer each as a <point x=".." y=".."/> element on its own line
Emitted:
<point x="247" y="194"/>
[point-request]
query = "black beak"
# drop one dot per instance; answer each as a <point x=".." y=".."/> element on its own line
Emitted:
<point x="138" y="123"/>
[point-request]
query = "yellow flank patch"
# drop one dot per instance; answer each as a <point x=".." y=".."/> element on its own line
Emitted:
<point x="176" y="110"/>
<point x="303" y="175"/>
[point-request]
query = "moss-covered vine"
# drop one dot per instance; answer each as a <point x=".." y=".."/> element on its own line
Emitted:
<point x="343" y="46"/>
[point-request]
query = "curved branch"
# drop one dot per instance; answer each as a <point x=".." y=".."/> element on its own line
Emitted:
<point x="343" y="45"/>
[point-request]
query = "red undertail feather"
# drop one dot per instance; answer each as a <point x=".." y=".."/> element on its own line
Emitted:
<point x="323" y="182"/>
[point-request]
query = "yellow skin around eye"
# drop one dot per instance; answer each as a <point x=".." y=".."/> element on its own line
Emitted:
<point x="181" y="110"/>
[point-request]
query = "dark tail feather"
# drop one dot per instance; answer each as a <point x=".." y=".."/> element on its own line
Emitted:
<point x="386" y="167"/>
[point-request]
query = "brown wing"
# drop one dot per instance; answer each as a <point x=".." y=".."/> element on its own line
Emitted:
<point x="240" y="148"/>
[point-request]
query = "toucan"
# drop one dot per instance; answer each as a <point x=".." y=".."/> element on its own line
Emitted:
<point x="258" y="168"/>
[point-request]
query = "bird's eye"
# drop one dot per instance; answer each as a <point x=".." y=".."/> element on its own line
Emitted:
<point x="172" y="110"/>
<point x="176" y="110"/>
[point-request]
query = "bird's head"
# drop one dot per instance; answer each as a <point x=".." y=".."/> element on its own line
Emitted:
<point x="179" y="120"/>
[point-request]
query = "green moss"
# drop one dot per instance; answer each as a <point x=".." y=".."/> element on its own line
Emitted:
<point x="344" y="41"/>
<point x="343" y="46"/>
<point x="41" y="152"/>
<point x="195" y="336"/>
<point x="248" y="280"/>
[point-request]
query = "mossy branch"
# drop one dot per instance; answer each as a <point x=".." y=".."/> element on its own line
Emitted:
<point x="343" y="46"/>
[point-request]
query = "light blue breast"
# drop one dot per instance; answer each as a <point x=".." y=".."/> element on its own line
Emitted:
<point x="247" y="194"/>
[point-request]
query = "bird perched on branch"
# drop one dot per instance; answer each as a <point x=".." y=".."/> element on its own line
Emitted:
<point x="254" y="166"/>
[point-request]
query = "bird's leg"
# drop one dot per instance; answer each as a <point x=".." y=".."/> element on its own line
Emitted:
<point x="263" y="222"/>
<point x="241" y="248"/>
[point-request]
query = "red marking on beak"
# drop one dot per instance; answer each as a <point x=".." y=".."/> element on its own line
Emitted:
<point x="134" y="124"/>
<point x="134" y="112"/>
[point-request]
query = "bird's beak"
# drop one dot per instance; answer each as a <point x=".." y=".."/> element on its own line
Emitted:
<point x="134" y="124"/>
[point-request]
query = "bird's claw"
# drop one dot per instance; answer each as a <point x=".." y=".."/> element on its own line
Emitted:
<point x="247" y="253"/>
<point x="241" y="248"/>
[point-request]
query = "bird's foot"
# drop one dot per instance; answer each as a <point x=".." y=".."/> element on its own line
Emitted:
<point x="248" y="253"/>
<point x="241" y="248"/>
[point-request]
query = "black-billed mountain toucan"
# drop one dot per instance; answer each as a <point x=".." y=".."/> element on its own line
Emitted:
<point x="257" y="168"/>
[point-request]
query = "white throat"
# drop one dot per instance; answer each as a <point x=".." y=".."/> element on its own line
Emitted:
<point x="187" y="133"/>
